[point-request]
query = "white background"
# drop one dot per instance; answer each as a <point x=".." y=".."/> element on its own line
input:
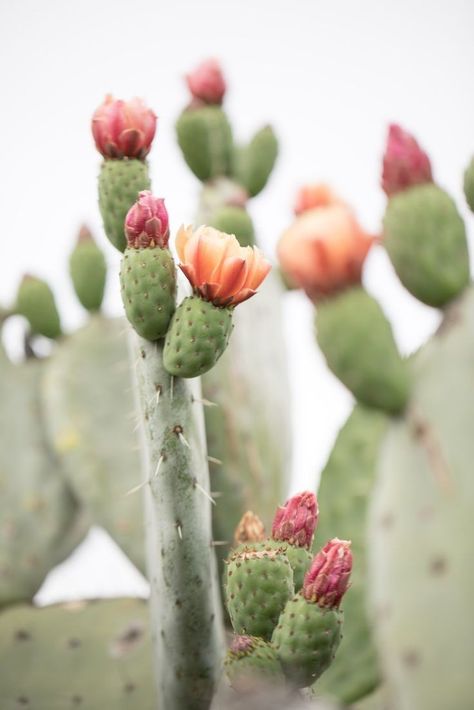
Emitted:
<point x="328" y="75"/>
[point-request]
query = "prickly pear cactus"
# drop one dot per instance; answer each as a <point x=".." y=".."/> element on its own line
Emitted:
<point x="252" y="662"/>
<point x="90" y="414"/>
<point x="88" y="271"/>
<point x="39" y="519"/>
<point x="254" y="162"/>
<point x="421" y="527"/>
<point x="205" y="138"/>
<point x="346" y="483"/>
<point x="83" y="654"/>
<point x="234" y="220"/>
<point x="35" y="301"/>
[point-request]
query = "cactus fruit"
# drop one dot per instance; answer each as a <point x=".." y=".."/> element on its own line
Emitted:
<point x="357" y="341"/>
<point x="258" y="585"/>
<point x="309" y="628"/>
<point x="82" y="654"/>
<point x="254" y="162"/>
<point x="421" y="527"/>
<point x="206" y="82"/>
<point x="469" y="184"/>
<point x="35" y="301"/>
<point x="351" y="468"/>
<point x="88" y="271"/>
<point x="147" y="271"/>
<point x="234" y="220"/>
<point x="205" y="138"/>
<point x="250" y="663"/>
<point x="405" y="164"/>
<point x="425" y="238"/>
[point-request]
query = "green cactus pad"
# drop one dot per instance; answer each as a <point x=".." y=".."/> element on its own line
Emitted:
<point x="93" y="655"/>
<point x="235" y="220"/>
<point x="421" y="528"/>
<point x="253" y="665"/>
<point x="35" y="301"/>
<point x="306" y="640"/>
<point x="39" y="513"/>
<point x="469" y="184"/>
<point x="148" y="285"/>
<point x="91" y="423"/>
<point x="258" y="585"/>
<point x="197" y="337"/>
<point x="254" y="163"/>
<point x="88" y="272"/>
<point x="358" y="344"/>
<point x="205" y="138"/>
<point x="120" y="181"/>
<point x="425" y="238"/>
<point x="299" y="557"/>
<point x="346" y="485"/>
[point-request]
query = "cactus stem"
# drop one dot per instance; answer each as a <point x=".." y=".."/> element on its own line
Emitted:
<point x="428" y="440"/>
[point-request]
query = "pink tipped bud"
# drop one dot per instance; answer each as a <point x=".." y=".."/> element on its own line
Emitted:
<point x="249" y="529"/>
<point x="146" y="224"/>
<point x="84" y="235"/>
<point x="206" y="83"/>
<point x="328" y="577"/>
<point x="123" y="129"/>
<point x="241" y="645"/>
<point x="295" y="522"/>
<point x="404" y="163"/>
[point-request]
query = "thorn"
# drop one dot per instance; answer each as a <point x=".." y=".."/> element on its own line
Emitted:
<point x="219" y="543"/>
<point x="160" y="461"/>
<point x="132" y="415"/>
<point x="212" y="459"/>
<point x="183" y="440"/>
<point x="137" y="426"/>
<point x="137" y="488"/>
<point x="157" y="396"/>
<point x="204" y="402"/>
<point x="180" y="530"/>
<point x="171" y="387"/>
<point x="216" y="494"/>
<point x="203" y="491"/>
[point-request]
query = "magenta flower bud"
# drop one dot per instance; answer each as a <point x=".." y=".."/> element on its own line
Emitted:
<point x="206" y="83"/>
<point x="146" y="223"/>
<point x="328" y="577"/>
<point x="404" y="163"/>
<point x="295" y="522"/>
<point x="123" y="129"/>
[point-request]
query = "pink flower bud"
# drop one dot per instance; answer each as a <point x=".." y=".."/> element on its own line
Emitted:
<point x="206" y="83"/>
<point x="295" y="522"/>
<point x="328" y="577"/>
<point x="404" y="163"/>
<point x="146" y="224"/>
<point x="241" y="645"/>
<point x="123" y="129"/>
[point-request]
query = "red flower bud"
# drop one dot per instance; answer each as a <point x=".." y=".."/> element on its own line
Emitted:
<point x="206" y="83"/>
<point x="328" y="577"/>
<point x="295" y="522"/>
<point x="146" y="224"/>
<point x="404" y="163"/>
<point x="123" y="129"/>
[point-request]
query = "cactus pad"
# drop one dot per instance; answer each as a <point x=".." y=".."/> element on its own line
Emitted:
<point x="250" y="663"/>
<point x="205" y="138"/>
<point x="88" y="272"/>
<point x="197" y="337"/>
<point x="35" y="301"/>
<point x="234" y="220"/>
<point x="469" y="184"/>
<point x="148" y="284"/>
<point x="254" y="163"/>
<point x="120" y="181"/>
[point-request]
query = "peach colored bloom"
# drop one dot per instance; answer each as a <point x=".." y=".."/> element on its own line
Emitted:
<point x="123" y="129"/>
<point x="315" y="195"/>
<point x="206" y="83"/>
<point x="323" y="251"/>
<point x="218" y="268"/>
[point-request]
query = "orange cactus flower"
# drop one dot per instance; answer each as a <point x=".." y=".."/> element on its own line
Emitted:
<point x="218" y="268"/>
<point x="324" y="250"/>
<point x="315" y="195"/>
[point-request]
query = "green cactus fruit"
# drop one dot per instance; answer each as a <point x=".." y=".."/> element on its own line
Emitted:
<point x="254" y="162"/>
<point x="35" y="301"/>
<point x="425" y="238"/>
<point x="90" y="419"/>
<point x="258" y="585"/>
<point x="39" y="512"/>
<point x="82" y="654"/>
<point x="120" y="181"/>
<point x="197" y="337"/>
<point x="469" y="184"/>
<point x="250" y="663"/>
<point x="234" y="220"/>
<point x="148" y="285"/>
<point x="421" y="528"/>
<point x="358" y="344"/>
<point x="88" y="271"/>
<point x="346" y="485"/>
<point x="306" y="639"/>
<point x="205" y="138"/>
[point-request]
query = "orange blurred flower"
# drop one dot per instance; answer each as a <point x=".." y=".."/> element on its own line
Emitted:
<point x="315" y="195"/>
<point x="323" y="251"/>
<point x="218" y="268"/>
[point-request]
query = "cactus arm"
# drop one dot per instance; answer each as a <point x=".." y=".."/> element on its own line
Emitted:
<point x="187" y="627"/>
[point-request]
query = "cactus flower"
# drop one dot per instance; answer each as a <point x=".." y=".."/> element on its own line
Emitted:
<point x="123" y="129"/>
<point x="249" y="529"/>
<point x="218" y="268"/>
<point x="404" y="163"/>
<point x="295" y="522"/>
<point x="146" y="223"/>
<point x="315" y="195"/>
<point x="206" y="83"/>
<point x="328" y="577"/>
<point x="324" y="250"/>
